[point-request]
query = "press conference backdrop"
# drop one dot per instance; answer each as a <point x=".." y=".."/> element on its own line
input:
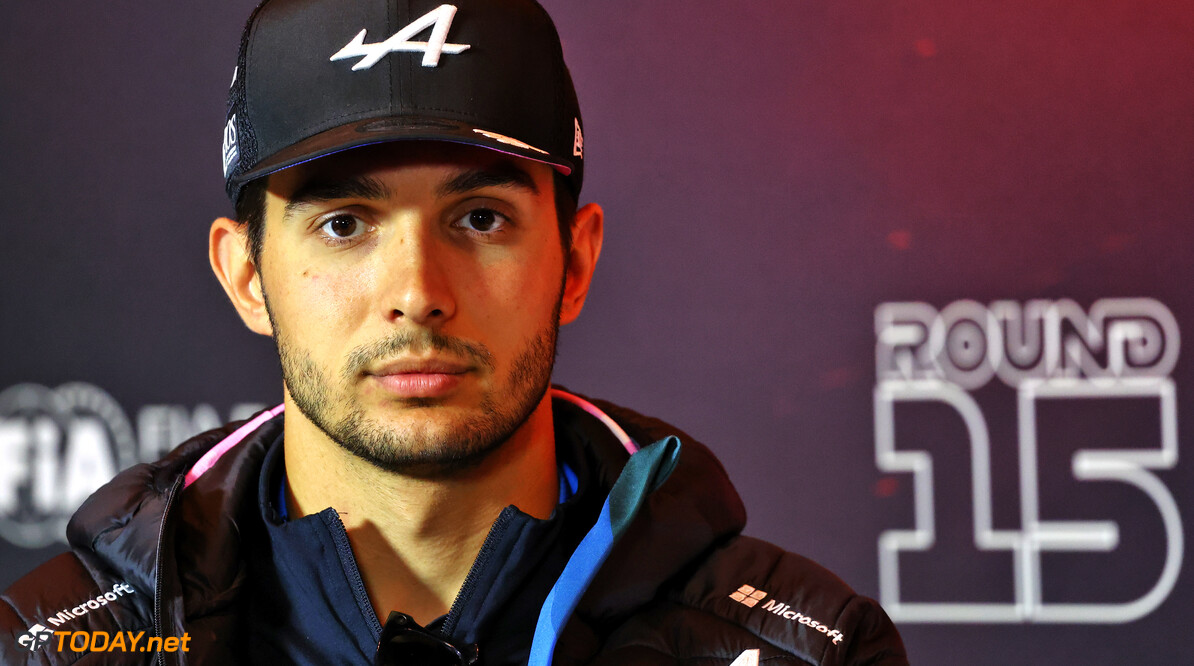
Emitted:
<point x="918" y="271"/>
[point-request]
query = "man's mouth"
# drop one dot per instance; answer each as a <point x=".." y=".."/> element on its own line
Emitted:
<point x="419" y="378"/>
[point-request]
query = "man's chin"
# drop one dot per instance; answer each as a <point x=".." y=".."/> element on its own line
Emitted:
<point x="426" y="442"/>
<point x="430" y="457"/>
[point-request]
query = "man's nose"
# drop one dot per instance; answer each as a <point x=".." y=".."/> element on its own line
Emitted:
<point x="418" y="286"/>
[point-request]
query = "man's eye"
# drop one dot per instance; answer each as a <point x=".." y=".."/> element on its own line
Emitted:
<point x="342" y="226"/>
<point x="485" y="220"/>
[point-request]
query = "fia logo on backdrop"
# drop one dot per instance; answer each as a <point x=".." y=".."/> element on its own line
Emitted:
<point x="59" y="445"/>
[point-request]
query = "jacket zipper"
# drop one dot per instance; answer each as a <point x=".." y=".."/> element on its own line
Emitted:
<point x="349" y="563"/>
<point x="474" y="572"/>
<point x="157" y="593"/>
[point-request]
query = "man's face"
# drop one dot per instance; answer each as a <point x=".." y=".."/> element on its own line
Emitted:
<point x="414" y="294"/>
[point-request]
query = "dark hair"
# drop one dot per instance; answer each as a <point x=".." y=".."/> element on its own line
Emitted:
<point x="250" y="211"/>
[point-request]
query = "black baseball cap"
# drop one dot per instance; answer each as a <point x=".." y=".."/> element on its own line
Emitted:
<point x="315" y="77"/>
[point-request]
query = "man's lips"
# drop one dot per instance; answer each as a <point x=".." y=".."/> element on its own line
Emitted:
<point x="420" y="367"/>
<point x="419" y="378"/>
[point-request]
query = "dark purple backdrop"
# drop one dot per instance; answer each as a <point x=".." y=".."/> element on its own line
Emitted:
<point x="772" y="172"/>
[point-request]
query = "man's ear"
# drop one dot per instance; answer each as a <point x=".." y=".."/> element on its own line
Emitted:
<point x="587" y="230"/>
<point x="230" y="261"/>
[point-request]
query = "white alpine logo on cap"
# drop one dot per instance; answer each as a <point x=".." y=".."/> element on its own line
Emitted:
<point x="439" y="19"/>
<point x="578" y="140"/>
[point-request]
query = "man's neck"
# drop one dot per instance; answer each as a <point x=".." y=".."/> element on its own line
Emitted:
<point x="415" y="539"/>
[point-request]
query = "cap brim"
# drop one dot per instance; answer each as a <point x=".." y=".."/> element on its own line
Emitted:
<point x="399" y="128"/>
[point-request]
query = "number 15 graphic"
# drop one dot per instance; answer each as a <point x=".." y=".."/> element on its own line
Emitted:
<point x="1130" y="466"/>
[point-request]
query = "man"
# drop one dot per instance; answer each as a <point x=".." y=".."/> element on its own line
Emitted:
<point x="406" y="177"/>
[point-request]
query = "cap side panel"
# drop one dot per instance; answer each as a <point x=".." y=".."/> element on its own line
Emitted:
<point x="239" y="114"/>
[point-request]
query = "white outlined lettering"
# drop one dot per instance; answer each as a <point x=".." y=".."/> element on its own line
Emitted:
<point x="1123" y="349"/>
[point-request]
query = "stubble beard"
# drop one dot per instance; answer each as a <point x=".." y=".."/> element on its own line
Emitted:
<point x="415" y="451"/>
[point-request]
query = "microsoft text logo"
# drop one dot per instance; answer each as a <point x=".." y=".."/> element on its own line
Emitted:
<point x="750" y="597"/>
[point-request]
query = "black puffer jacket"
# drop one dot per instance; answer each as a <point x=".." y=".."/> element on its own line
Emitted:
<point x="148" y="556"/>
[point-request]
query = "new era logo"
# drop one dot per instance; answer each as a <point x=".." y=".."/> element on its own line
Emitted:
<point x="748" y="596"/>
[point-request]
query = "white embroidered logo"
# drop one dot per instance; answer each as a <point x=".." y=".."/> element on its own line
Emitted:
<point x="231" y="151"/>
<point x="439" y="19"/>
<point x="578" y="140"/>
<point x="67" y="614"/>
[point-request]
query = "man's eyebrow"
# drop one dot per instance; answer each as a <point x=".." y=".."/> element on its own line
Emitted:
<point x="501" y="175"/>
<point x="319" y="190"/>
